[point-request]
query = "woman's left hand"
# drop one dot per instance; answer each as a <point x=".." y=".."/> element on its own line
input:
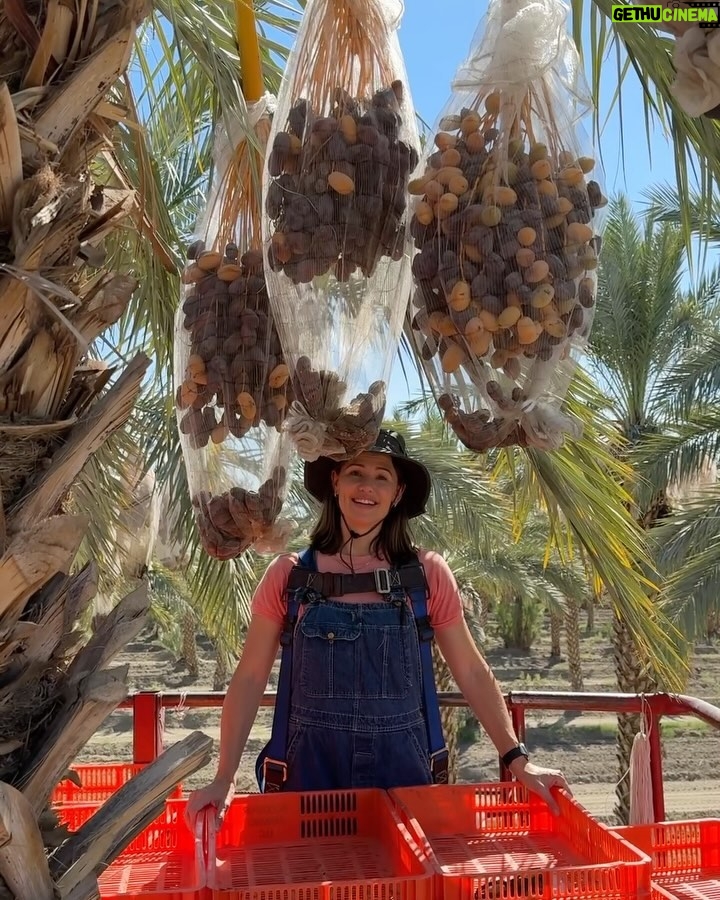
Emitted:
<point x="540" y="781"/>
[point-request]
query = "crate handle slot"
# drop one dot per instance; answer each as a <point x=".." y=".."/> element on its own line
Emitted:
<point x="206" y="845"/>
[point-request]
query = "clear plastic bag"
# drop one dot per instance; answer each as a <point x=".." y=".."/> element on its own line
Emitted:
<point x="508" y="234"/>
<point x="232" y="383"/>
<point x="337" y="249"/>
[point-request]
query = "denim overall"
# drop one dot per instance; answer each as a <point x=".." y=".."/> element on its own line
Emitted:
<point x="351" y="705"/>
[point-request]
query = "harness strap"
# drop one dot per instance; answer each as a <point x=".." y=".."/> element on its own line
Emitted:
<point x="384" y="581"/>
<point x="275" y="765"/>
<point x="436" y="740"/>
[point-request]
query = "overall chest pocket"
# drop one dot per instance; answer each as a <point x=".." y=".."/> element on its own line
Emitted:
<point x="330" y="644"/>
<point x="357" y="655"/>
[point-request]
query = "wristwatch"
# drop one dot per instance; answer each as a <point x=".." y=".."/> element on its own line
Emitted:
<point x="515" y="753"/>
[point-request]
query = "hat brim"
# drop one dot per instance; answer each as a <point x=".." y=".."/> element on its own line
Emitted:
<point x="414" y="476"/>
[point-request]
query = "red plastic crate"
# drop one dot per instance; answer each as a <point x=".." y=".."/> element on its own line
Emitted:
<point x="490" y="841"/>
<point x="334" y="845"/>
<point x="166" y="833"/>
<point x="659" y="893"/>
<point x="164" y="862"/>
<point x="99" y="781"/>
<point x="165" y="876"/>
<point x="685" y="857"/>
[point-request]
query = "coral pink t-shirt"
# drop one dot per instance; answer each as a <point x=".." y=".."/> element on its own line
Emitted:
<point x="445" y="606"/>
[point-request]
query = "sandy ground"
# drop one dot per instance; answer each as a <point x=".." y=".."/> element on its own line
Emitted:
<point x="583" y="746"/>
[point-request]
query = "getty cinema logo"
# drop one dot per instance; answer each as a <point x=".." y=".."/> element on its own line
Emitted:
<point x="706" y="13"/>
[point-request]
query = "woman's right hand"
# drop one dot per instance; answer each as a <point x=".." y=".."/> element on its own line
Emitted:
<point x="217" y="794"/>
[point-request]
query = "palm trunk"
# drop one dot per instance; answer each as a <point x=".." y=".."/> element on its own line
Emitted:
<point x="189" y="644"/>
<point x="631" y="679"/>
<point x="713" y="623"/>
<point x="590" y="621"/>
<point x="484" y="615"/>
<point x="55" y="408"/>
<point x="572" y="642"/>
<point x="222" y="669"/>
<point x="476" y="612"/>
<point x="556" y="624"/>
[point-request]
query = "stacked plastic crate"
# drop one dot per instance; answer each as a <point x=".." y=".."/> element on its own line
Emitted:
<point x="459" y="842"/>
<point x="685" y="857"/>
<point x="164" y="862"/>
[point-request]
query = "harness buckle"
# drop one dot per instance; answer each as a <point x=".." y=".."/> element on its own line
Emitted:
<point x="425" y="630"/>
<point x="274" y="774"/>
<point x="382" y="581"/>
<point x="439" y="766"/>
<point x="286" y="637"/>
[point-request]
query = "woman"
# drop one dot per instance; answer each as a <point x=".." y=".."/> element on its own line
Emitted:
<point x="355" y="615"/>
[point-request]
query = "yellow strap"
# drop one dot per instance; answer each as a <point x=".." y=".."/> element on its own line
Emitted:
<point x="249" y="47"/>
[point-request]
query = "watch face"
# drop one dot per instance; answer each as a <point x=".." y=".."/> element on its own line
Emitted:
<point x="524" y="750"/>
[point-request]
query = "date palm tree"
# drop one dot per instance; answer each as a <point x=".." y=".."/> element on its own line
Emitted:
<point x="647" y="329"/>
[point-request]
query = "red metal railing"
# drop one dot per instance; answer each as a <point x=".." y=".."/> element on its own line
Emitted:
<point x="148" y="717"/>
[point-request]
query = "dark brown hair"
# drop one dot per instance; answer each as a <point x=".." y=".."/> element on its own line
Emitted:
<point x="394" y="541"/>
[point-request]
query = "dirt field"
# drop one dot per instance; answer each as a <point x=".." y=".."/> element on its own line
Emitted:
<point x="582" y="746"/>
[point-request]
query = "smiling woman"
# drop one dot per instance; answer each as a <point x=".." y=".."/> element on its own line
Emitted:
<point x="355" y="615"/>
<point x="368" y="501"/>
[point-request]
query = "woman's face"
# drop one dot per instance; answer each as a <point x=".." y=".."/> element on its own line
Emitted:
<point x="366" y="489"/>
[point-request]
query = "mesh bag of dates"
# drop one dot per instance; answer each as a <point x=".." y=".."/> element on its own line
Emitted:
<point x="233" y="386"/>
<point x="335" y="220"/>
<point x="507" y="232"/>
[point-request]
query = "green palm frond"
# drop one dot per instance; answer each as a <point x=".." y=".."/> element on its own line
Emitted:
<point x="102" y="494"/>
<point x="695" y="380"/>
<point x="462" y="500"/>
<point x="170" y="598"/>
<point x="635" y="51"/>
<point x="681" y="453"/>
<point x="652" y="345"/>
<point x="213" y="46"/>
<point x="688" y="550"/>
<point x="582" y="488"/>
<point x="663" y="204"/>
<point x="557" y="578"/>
<point x="585" y="501"/>
<point x="639" y="309"/>
<point x="222" y="593"/>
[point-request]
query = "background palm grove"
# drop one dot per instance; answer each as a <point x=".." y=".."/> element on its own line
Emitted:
<point x="107" y="116"/>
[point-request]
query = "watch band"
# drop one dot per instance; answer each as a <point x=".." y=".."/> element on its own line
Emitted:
<point x="515" y="753"/>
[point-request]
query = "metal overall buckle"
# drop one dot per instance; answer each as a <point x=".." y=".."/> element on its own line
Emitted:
<point x="439" y="766"/>
<point x="278" y="774"/>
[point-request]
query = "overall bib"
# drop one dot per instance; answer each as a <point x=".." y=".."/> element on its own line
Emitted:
<point x="351" y="705"/>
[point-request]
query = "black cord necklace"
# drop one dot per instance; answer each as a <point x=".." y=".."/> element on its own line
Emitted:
<point x="354" y="535"/>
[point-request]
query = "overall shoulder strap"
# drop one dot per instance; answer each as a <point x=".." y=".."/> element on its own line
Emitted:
<point x="433" y="722"/>
<point x="275" y="764"/>
<point x="306" y="560"/>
